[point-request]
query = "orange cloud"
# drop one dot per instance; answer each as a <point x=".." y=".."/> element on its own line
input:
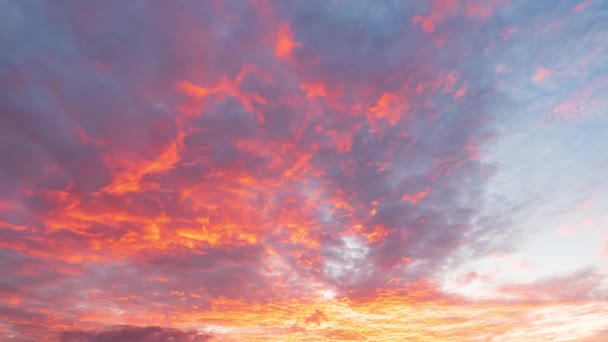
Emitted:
<point x="193" y="90"/>
<point x="415" y="198"/>
<point x="314" y="90"/>
<point x="286" y="42"/>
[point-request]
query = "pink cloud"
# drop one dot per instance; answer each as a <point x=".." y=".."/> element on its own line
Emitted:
<point x="566" y="230"/>
<point x="585" y="103"/>
<point x="483" y="9"/>
<point x="581" y="6"/>
<point x="542" y="74"/>
<point x="440" y="10"/>
<point x="461" y="92"/>
<point x="501" y="69"/>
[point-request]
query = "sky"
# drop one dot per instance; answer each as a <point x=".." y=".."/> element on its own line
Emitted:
<point x="254" y="170"/>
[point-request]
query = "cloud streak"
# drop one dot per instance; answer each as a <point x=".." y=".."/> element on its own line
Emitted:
<point x="135" y="334"/>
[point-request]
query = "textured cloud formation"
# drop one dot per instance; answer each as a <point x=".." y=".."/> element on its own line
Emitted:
<point x="284" y="170"/>
<point x="134" y="334"/>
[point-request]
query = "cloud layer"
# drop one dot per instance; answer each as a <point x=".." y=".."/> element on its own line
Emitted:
<point x="255" y="170"/>
<point x="134" y="334"/>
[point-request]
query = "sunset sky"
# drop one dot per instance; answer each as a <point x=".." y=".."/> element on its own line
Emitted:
<point x="253" y="170"/>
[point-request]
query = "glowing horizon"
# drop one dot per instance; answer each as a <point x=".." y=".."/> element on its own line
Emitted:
<point x="304" y="171"/>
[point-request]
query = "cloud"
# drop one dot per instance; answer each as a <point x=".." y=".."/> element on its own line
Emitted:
<point x="135" y="334"/>
<point x="542" y="74"/>
<point x="598" y="336"/>
<point x="316" y="318"/>
<point x="581" y="6"/>
<point x="226" y="165"/>
<point x="582" y="285"/>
